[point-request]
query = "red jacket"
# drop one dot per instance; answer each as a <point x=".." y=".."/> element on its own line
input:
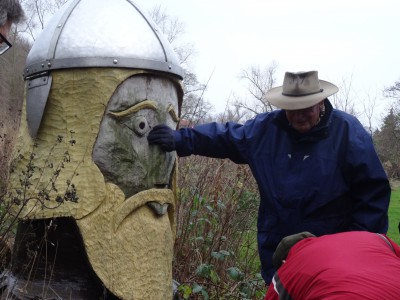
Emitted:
<point x="349" y="265"/>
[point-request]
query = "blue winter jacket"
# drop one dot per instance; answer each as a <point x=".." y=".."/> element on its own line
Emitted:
<point x="325" y="181"/>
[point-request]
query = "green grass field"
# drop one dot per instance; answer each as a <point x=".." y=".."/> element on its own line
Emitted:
<point x="394" y="215"/>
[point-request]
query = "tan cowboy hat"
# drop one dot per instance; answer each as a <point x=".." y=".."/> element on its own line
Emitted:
<point x="300" y="90"/>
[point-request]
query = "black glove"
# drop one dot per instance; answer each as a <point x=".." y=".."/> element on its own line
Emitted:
<point x="285" y="245"/>
<point x="162" y="135"/>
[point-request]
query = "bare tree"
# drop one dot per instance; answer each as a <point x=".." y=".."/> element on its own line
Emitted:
<point x="170" y="26"/>
<point x="369" y="105"/>
<point x="234" y="113"/>
<point x="37" y="12"/>
<point x="195" y="108"/>
<point x="393" y="91"/>
<point x="344" y="99"/>
<point x="259" y="80"/>
<point x="173" y="29"/>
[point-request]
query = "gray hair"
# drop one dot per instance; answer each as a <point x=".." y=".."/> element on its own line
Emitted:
<point x="10" y="10"/>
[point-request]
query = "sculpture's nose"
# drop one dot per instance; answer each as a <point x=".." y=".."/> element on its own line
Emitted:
<point x="165" y="172"/>
<point x="163" y="167"/>
<point x="158" y="208"/>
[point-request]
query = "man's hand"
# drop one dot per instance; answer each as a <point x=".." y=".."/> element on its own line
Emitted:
<point x="163" y="136"/>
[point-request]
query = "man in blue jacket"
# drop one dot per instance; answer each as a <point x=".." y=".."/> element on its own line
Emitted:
<point x="315" y="166"/>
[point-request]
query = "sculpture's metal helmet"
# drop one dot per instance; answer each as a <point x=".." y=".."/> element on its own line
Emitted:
<point x="94" y="33"/>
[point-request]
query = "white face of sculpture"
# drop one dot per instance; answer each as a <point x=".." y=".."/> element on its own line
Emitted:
<point x="121" y="150"/>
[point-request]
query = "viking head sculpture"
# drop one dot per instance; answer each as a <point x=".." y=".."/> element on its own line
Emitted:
<point x="99" y="77"/>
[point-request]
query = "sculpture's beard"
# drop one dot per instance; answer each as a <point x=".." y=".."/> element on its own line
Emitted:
<point x="130" y="245"/>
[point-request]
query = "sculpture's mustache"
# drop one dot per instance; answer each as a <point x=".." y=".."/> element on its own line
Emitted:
<point x="159" y="200"/>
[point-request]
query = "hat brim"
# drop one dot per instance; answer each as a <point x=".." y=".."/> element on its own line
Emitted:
<point x="275" y="97"/>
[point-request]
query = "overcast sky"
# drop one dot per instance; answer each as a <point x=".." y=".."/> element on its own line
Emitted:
<point x="342" y="39"/>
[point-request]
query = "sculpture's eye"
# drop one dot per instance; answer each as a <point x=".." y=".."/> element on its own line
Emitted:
<point x="140" y="125"/>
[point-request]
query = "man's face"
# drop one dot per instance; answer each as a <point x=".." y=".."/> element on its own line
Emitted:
<point x="121" y="150"/>
<point x="303" y="120"/>
<point x="4" y="31"/>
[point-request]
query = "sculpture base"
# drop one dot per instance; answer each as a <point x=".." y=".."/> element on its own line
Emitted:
<point x="49" y="262"/>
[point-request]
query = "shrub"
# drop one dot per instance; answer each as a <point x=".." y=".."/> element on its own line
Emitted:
<point x="216" y="247"/>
